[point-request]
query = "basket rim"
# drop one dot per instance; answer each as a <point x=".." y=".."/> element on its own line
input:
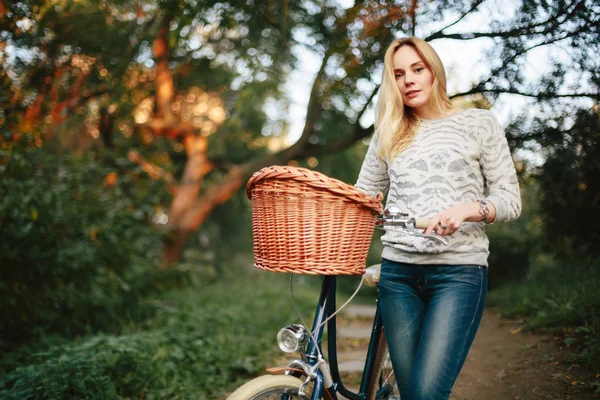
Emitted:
<point x="316" y="180"/>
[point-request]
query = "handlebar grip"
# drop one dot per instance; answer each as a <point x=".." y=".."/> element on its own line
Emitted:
<point x="422" y="223"/>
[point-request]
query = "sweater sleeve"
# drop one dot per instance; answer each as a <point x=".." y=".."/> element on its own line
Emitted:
<point x="499" y="170"/>
<point x="373" y="177"/>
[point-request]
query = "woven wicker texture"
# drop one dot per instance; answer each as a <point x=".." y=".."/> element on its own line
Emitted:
<point x="307" y="223"/>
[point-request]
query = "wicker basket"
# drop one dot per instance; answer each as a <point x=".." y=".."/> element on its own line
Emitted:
<point x="307" y="223"/>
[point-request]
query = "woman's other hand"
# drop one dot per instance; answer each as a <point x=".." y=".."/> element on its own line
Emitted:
<point x="448" y="221"/>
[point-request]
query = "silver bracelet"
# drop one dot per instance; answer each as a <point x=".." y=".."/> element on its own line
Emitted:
<point x="484" y="211"/>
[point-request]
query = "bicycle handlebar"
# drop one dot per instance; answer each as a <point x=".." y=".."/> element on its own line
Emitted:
<point x="394" y="220"/>
<point x="422" y="223"/>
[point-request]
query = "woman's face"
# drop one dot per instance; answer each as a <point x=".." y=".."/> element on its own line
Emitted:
<point x="413" y="77"/>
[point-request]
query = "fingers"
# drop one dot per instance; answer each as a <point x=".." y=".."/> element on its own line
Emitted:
<point x="441" y="228"/>
<point x="443" y="225"/>
<point x="448" y="225"/>
<point x="433" y="224"/>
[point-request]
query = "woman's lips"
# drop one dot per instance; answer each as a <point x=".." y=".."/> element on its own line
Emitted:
<point x="413" y="93"/>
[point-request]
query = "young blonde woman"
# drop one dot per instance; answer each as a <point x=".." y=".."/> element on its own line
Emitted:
<point x="453" y="166"/>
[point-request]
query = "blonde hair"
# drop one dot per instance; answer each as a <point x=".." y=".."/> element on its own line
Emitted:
<point x="395" y="123"/>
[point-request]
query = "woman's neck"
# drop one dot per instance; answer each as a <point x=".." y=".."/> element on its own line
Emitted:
<point x="429" y="113"/>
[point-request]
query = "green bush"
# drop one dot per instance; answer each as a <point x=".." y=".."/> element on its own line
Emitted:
<point x="570" y="188"/>
<point x="202" y="343"/>
<point x="513" y="245"/>
<point x="76" y="247"/>
<point x="151" y="365"/>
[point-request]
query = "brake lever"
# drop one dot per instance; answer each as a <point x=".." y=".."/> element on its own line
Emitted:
<point x="433" y="236"/>
<point x="392" y="217"/>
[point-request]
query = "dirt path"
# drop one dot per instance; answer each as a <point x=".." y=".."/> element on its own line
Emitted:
<point x="504" y="363"/>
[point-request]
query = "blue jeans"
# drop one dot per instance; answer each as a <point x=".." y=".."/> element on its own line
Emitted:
<point x="430" y="314"/>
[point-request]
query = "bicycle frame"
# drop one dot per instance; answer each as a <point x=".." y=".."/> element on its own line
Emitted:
<point x="325" y="308"/>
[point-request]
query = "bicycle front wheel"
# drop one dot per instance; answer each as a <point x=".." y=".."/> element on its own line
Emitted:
<point x="383" y="380"/>
<point x="269" y="387"/>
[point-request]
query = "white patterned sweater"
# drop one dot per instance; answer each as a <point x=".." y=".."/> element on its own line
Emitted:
<point x="452" y="160"/>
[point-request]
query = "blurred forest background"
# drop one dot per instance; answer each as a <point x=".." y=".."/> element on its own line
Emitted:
<point x="128" y="128"/>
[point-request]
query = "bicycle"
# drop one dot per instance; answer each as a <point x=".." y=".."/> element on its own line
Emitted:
<point x="311" y="376"/>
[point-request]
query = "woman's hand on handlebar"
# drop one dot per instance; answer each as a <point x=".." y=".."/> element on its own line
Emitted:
<point x="447" y="221"/>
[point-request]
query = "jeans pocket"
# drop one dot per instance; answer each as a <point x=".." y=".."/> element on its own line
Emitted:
<point x="469" y="274"/>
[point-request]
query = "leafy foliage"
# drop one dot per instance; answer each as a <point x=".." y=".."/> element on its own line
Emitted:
<point x="201" y="343"/>
<point x="569" y="181"/>
<point x="514" y="246"/>
<point x="76" y="246"/>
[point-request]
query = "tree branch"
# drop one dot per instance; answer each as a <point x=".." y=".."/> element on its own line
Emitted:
<point x="314" y="107"/>
<point x="520" y="53"/>
<point x="541" y="95"/>
<point x="151" y="169"/>
<point x="83" y="99"/>
<point x="413" y="17"/>
<point x="165" y="88"/>
<point x="369" y="100"/>
<point x="340" y="144"/>
<point x="441" y="31"/>
<point x="479" y="88"/>
<point x="549" y="25"/>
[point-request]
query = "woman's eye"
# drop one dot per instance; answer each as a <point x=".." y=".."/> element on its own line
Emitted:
<point x="398" y="76"/>
<point x="419" y="69"/>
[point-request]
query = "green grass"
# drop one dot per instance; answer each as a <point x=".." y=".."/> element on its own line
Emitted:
<point x="564" y="297"/>
<point x="202" y="342"/>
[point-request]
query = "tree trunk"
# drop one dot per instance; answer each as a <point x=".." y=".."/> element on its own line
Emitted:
<point x="165" y="88"/>
<point x="185" y="196"/>
<point x="33" y="115"/>
<point x="105" y="127"/>
<point x="196" y="214"/>
<point x="195" y="169"/>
